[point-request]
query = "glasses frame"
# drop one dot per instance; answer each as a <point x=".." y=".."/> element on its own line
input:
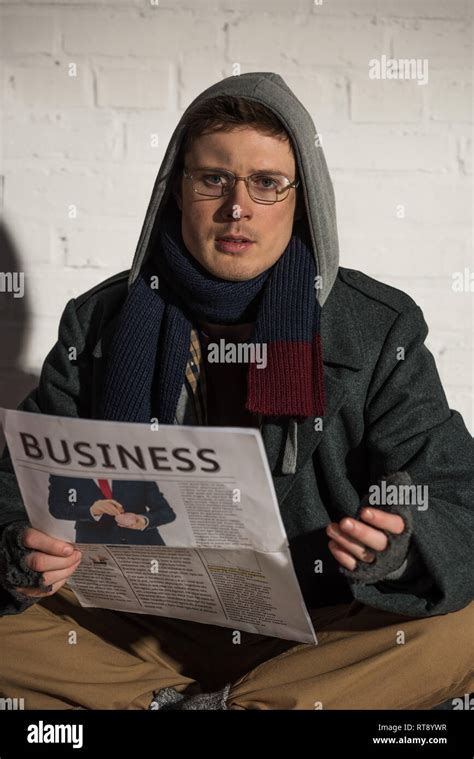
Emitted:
<point x="188" y="175"/>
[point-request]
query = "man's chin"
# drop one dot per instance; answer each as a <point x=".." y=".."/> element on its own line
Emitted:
<point x="232" y="275"/>
<point x="231" y="270"/>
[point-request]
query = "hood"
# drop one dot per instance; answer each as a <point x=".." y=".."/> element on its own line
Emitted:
<point x="270" y="90"/>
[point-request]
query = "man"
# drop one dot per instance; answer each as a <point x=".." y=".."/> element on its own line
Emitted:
<point x="240" y="237"/>
<point x="122" y="512"/>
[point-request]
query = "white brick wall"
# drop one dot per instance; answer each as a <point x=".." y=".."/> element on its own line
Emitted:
<point x="88" y="85"/>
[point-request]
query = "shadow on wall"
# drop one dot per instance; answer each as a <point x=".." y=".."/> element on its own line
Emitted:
<point x="15" y="318"/>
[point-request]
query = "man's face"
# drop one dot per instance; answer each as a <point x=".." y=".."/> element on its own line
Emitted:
<point x="243" y="151"/>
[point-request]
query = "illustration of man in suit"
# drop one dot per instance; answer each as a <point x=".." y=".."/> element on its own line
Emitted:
<point x="110" y="511"/>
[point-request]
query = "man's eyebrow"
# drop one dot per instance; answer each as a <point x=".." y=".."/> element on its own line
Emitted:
<point x="252" y="171"/>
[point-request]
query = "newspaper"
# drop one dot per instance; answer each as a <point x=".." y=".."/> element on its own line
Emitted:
<point x="176" y="521"/>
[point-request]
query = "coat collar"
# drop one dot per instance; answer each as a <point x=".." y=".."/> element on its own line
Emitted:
<point x="342" y="347"/>
<point x="340" y="332"/>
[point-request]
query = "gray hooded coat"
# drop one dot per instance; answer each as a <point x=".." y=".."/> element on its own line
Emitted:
<point x="386" y="419"/>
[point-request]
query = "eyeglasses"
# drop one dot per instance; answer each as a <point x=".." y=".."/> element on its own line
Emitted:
<point x="263" y="188"/>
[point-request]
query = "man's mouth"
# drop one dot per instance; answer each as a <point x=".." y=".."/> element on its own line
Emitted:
<point x="234" y="238"/>
<point x="233" y="243"/>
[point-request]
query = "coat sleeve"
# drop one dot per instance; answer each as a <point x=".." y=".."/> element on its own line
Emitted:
<point x="410" y="427"/>
<point x="59" y="504"/>
<point x="160" y="510"/>
<point x="58" y="392"/>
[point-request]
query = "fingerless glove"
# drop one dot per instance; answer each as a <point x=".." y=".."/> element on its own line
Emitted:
<point x="393" y="556"/>
<point x="14" y="572"/>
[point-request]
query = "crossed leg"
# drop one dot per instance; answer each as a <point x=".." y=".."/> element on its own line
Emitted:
<point x="58" y="655"/>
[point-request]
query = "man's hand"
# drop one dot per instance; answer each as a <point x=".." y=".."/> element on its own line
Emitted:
<point x="55" y="559"/>
<point x="107" y="506"/>
<point x="131" y="520"/>
<point x="353" y="538"/>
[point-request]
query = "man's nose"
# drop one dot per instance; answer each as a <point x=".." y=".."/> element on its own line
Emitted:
<point x="237" y="202"/>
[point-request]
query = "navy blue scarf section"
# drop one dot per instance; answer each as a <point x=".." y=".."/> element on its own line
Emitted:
<point x="150" y="349"/>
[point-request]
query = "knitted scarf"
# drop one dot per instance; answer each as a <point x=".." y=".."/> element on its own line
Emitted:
<point x="151" y="345"/>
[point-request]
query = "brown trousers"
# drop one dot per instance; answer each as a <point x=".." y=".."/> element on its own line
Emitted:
<point x="58" y="655"/>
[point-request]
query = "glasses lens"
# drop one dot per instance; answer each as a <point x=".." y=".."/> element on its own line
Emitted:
<point x="268" y="187"/>
<point x="211" y="183"/>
